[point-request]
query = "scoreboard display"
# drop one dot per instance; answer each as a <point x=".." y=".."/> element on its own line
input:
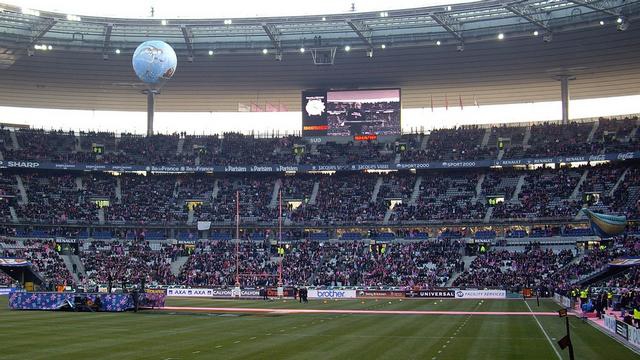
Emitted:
<point x="353" y="113"/>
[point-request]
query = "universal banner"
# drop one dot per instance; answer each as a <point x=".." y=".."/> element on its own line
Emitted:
<point x="431" y="294"/>
<point x="332" y="294"/>
<point x="380" y="294"/>
<point x="481" y="294"/>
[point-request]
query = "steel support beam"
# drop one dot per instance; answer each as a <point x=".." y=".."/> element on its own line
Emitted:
<point x="106" y="45"/>
<point x="609" y="7"/>
<point x="530" y="14"/>
<point x="187" y="34"/>
<point x="274" y="35"/>
<point x="39" y="30"/>
<point x="363" y="31"/>
<point x="449" y="23"/>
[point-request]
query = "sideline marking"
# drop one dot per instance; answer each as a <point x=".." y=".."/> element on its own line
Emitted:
<point x="544" y="332"/>
<point x="339" y="311"/>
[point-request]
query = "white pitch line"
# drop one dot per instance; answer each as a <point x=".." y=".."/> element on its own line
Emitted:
<point x="544" y="332"/>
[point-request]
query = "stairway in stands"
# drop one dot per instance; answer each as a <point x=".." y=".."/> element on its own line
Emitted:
<point x="467" y="260"/>
<point x="177" y="264"/>
<point x="486" y="137"/>
<point x="416" y="191"/>
<point x="594" y="129"/>
<point x="314" y="193"/>
<point x="69" y="261"/>
<point x="518" y="190"/>
<point x="376" y="189"/>
<point x="274" y="195"/>
<point x="23" y="192"/>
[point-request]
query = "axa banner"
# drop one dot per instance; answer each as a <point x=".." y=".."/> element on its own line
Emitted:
<point x="431" y="294"/>
<point x="481" y="294"/>
<point x="332" y="294"/>
<point x="191" y="292"/>
<point x="213" y="293"/>
<point x="20" y="164"/>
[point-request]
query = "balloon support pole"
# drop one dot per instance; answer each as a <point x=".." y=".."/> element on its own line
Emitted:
<point x="151" y="94"/>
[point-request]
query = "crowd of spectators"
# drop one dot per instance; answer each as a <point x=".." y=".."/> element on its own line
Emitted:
<point x="514" y="270"/>
<point x="344" y="263"/>
<point x="354" y="198"/>
<point x="462" y="143"/>
<point x="43" y="257"/>
<point x="128" y="261"/>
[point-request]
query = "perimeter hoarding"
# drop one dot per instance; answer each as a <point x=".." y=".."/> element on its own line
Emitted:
<point x="332" y="294"/>
<point x="481" y="294"/>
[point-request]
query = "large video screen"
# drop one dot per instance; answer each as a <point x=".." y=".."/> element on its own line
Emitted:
<point x="351" y="112"/>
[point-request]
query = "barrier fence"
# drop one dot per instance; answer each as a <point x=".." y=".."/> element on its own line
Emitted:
<point x="289" y="292"/>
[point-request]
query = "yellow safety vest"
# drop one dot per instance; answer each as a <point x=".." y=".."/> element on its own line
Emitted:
<point x="609" y="295"/>
<point x="636" y="314"/>
<point x="583" y="294"/>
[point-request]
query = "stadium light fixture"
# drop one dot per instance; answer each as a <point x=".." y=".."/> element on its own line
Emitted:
<point x="438" y="43"/>
<point x="500" y="36"/>
<point x="384" y="14"/>
<point x="117" y="51"/>
<point x="42" y="47"/>
<point x="324" y="18"/>
<point x="383" y="46"/>
<point x="32" y="12"/>
<point x="347" y="48"/>
<point x="536" y="33"/>
<point x="49" y="47"/>
<point x="449" y="8"/>
<point x="623" y="24"/>
<point x="265" y="51"/>
<point x="228" y="22"/>
<point x="163" y="22"/>
<point x="210" y="52"/>
<point x="601" y="22"/>
<point x="302" y="50"/>
<point x="71" y="17"/>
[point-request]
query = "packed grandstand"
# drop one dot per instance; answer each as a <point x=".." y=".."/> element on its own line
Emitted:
<point x="124" y="226"/>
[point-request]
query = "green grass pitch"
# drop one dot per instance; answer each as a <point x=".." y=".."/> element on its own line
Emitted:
<point x="198" y="335"/>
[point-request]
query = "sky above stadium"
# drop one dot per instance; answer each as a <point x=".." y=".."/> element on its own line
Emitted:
<point x="170" y="9"/>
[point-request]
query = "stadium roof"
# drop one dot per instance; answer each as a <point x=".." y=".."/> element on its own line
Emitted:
<point x="519" y="68"/>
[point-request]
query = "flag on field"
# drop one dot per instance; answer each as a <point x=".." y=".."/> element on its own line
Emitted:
<point x="564" y="342"/>
<point x="460" y="98"/>
<point x="446" y="102"/>
<point x="256" y="108"/>
<point x="243" y="107"/>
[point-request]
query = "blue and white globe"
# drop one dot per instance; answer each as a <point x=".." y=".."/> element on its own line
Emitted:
<point x="154" y="61"/>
